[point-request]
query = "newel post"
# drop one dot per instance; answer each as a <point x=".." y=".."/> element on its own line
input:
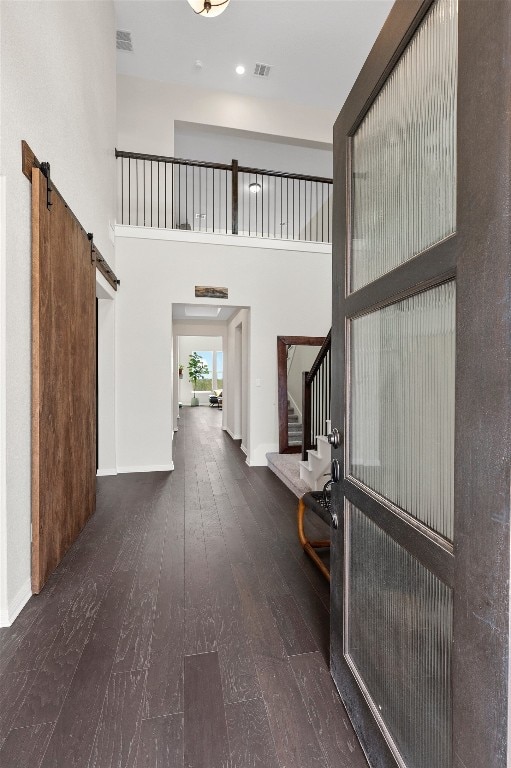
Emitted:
<point x="234" y="197"/>
<point x="306" y="415"/>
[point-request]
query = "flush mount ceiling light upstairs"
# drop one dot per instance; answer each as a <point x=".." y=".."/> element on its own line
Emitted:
<point x="209" y="8"/>
<point x="255" y="187"/>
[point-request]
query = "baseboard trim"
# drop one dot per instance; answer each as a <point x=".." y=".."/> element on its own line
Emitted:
<point x="106" y="472"/>
<point x="231" y="434"/>
<point x="7" y="617"/>
<point x="244" y="449"/>
<point x="252" y="463"/>
<point x="147" y="468"/>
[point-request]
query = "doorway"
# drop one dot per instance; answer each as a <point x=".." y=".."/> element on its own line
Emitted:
<point x="238" y="390"/>
<point x="295" y="355"/>
<point x="210" y="351"/>
<point x="105" y="374"/>
<point x="238" y="383"/>
<point x="222" y="334"/>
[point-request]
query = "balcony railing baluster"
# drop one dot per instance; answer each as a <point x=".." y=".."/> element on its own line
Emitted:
<point x="253" y="202"/>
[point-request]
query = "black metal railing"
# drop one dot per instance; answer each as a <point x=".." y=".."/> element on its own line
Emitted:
<point x="316" y="397"/>
<point x="157" y="191"/>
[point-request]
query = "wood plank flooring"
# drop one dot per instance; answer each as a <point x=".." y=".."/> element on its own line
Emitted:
<point x="185" y="628"/>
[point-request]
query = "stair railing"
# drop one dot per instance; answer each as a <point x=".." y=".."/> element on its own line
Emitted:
<point x="222" y="198"/>
<point x="316" y="389"/>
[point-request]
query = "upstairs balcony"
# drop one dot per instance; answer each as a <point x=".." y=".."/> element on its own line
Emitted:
<point x="227" y="199"/>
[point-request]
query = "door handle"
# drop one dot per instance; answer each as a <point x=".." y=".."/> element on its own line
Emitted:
<point x="335" y="438"/>
<point x="328" y="506"/>
<point x="335" y="471"/>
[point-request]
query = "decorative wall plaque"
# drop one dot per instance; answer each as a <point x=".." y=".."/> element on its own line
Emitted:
<point x="211" y="292"/>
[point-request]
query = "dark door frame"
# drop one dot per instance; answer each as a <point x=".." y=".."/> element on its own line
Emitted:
<point x="282" y="344"/>
<point x="478" y="256"/>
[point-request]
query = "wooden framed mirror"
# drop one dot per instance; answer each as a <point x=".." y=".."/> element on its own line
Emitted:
<point x="293" y="353"/>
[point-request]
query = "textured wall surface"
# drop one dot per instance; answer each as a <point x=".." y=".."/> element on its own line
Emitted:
<point x="58" y="93"/>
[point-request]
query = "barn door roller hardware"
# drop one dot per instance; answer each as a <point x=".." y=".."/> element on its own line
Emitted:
<point x="90" y="238"/>
<point x="45" y="170"/>
<point x="98" y="259"/>
<point x="28" y="162"/>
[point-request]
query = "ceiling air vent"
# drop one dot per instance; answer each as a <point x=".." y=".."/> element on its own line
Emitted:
<point x="262" y="70"/>
<point x="124" y="41"/>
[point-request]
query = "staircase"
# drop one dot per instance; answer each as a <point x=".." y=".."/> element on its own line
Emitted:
<point x="294" y="426"/>
<point x="286" y="467"/>
<point x="303" y="476"/>
<point x="315" y="470"/>
<point x="316" y="451"/>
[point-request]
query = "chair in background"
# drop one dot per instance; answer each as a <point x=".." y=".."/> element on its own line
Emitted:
<point x="216" y="398"/>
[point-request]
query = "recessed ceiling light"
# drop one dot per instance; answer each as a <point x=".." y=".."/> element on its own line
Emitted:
<point x="255" y="187"/>
<point x="240" y="69"/>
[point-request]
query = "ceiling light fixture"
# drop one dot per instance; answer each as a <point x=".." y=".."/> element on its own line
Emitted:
<point x="255" y="187"/>
<point x="240" y="69"/>
<point x="209" y="8"/>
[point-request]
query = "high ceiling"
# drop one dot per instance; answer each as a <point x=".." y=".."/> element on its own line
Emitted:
<point x="316" y="47"/>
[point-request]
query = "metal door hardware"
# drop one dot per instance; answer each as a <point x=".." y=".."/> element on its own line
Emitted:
<point x="335" y="438"/>
<point x="335" y="471"/>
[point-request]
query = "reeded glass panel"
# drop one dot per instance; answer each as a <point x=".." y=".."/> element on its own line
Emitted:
<point x="404" y="154"/>
<point x="402" y="405"/>
<point x="399" y="640"/>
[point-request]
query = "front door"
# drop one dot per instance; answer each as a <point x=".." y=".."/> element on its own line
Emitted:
<point x="421" y="389"/>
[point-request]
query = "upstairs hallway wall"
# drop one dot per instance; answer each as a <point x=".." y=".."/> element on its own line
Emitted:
<point x="147" y="110"/>
<point x="256" y="150"/>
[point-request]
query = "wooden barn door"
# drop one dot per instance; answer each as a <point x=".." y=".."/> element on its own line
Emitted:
<point x="63" y="379"/>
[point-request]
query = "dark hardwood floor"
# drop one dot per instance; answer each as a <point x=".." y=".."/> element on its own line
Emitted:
<point x="184" y="629"/>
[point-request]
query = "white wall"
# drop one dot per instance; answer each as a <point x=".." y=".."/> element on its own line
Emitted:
<point x="257" y="278"/>
<point x="4" y="606"/>
<point x="221" y="145"/>
<point x="236" y="405"/>
<point x="146" y="112"/>
<point x="57" y="91"/>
